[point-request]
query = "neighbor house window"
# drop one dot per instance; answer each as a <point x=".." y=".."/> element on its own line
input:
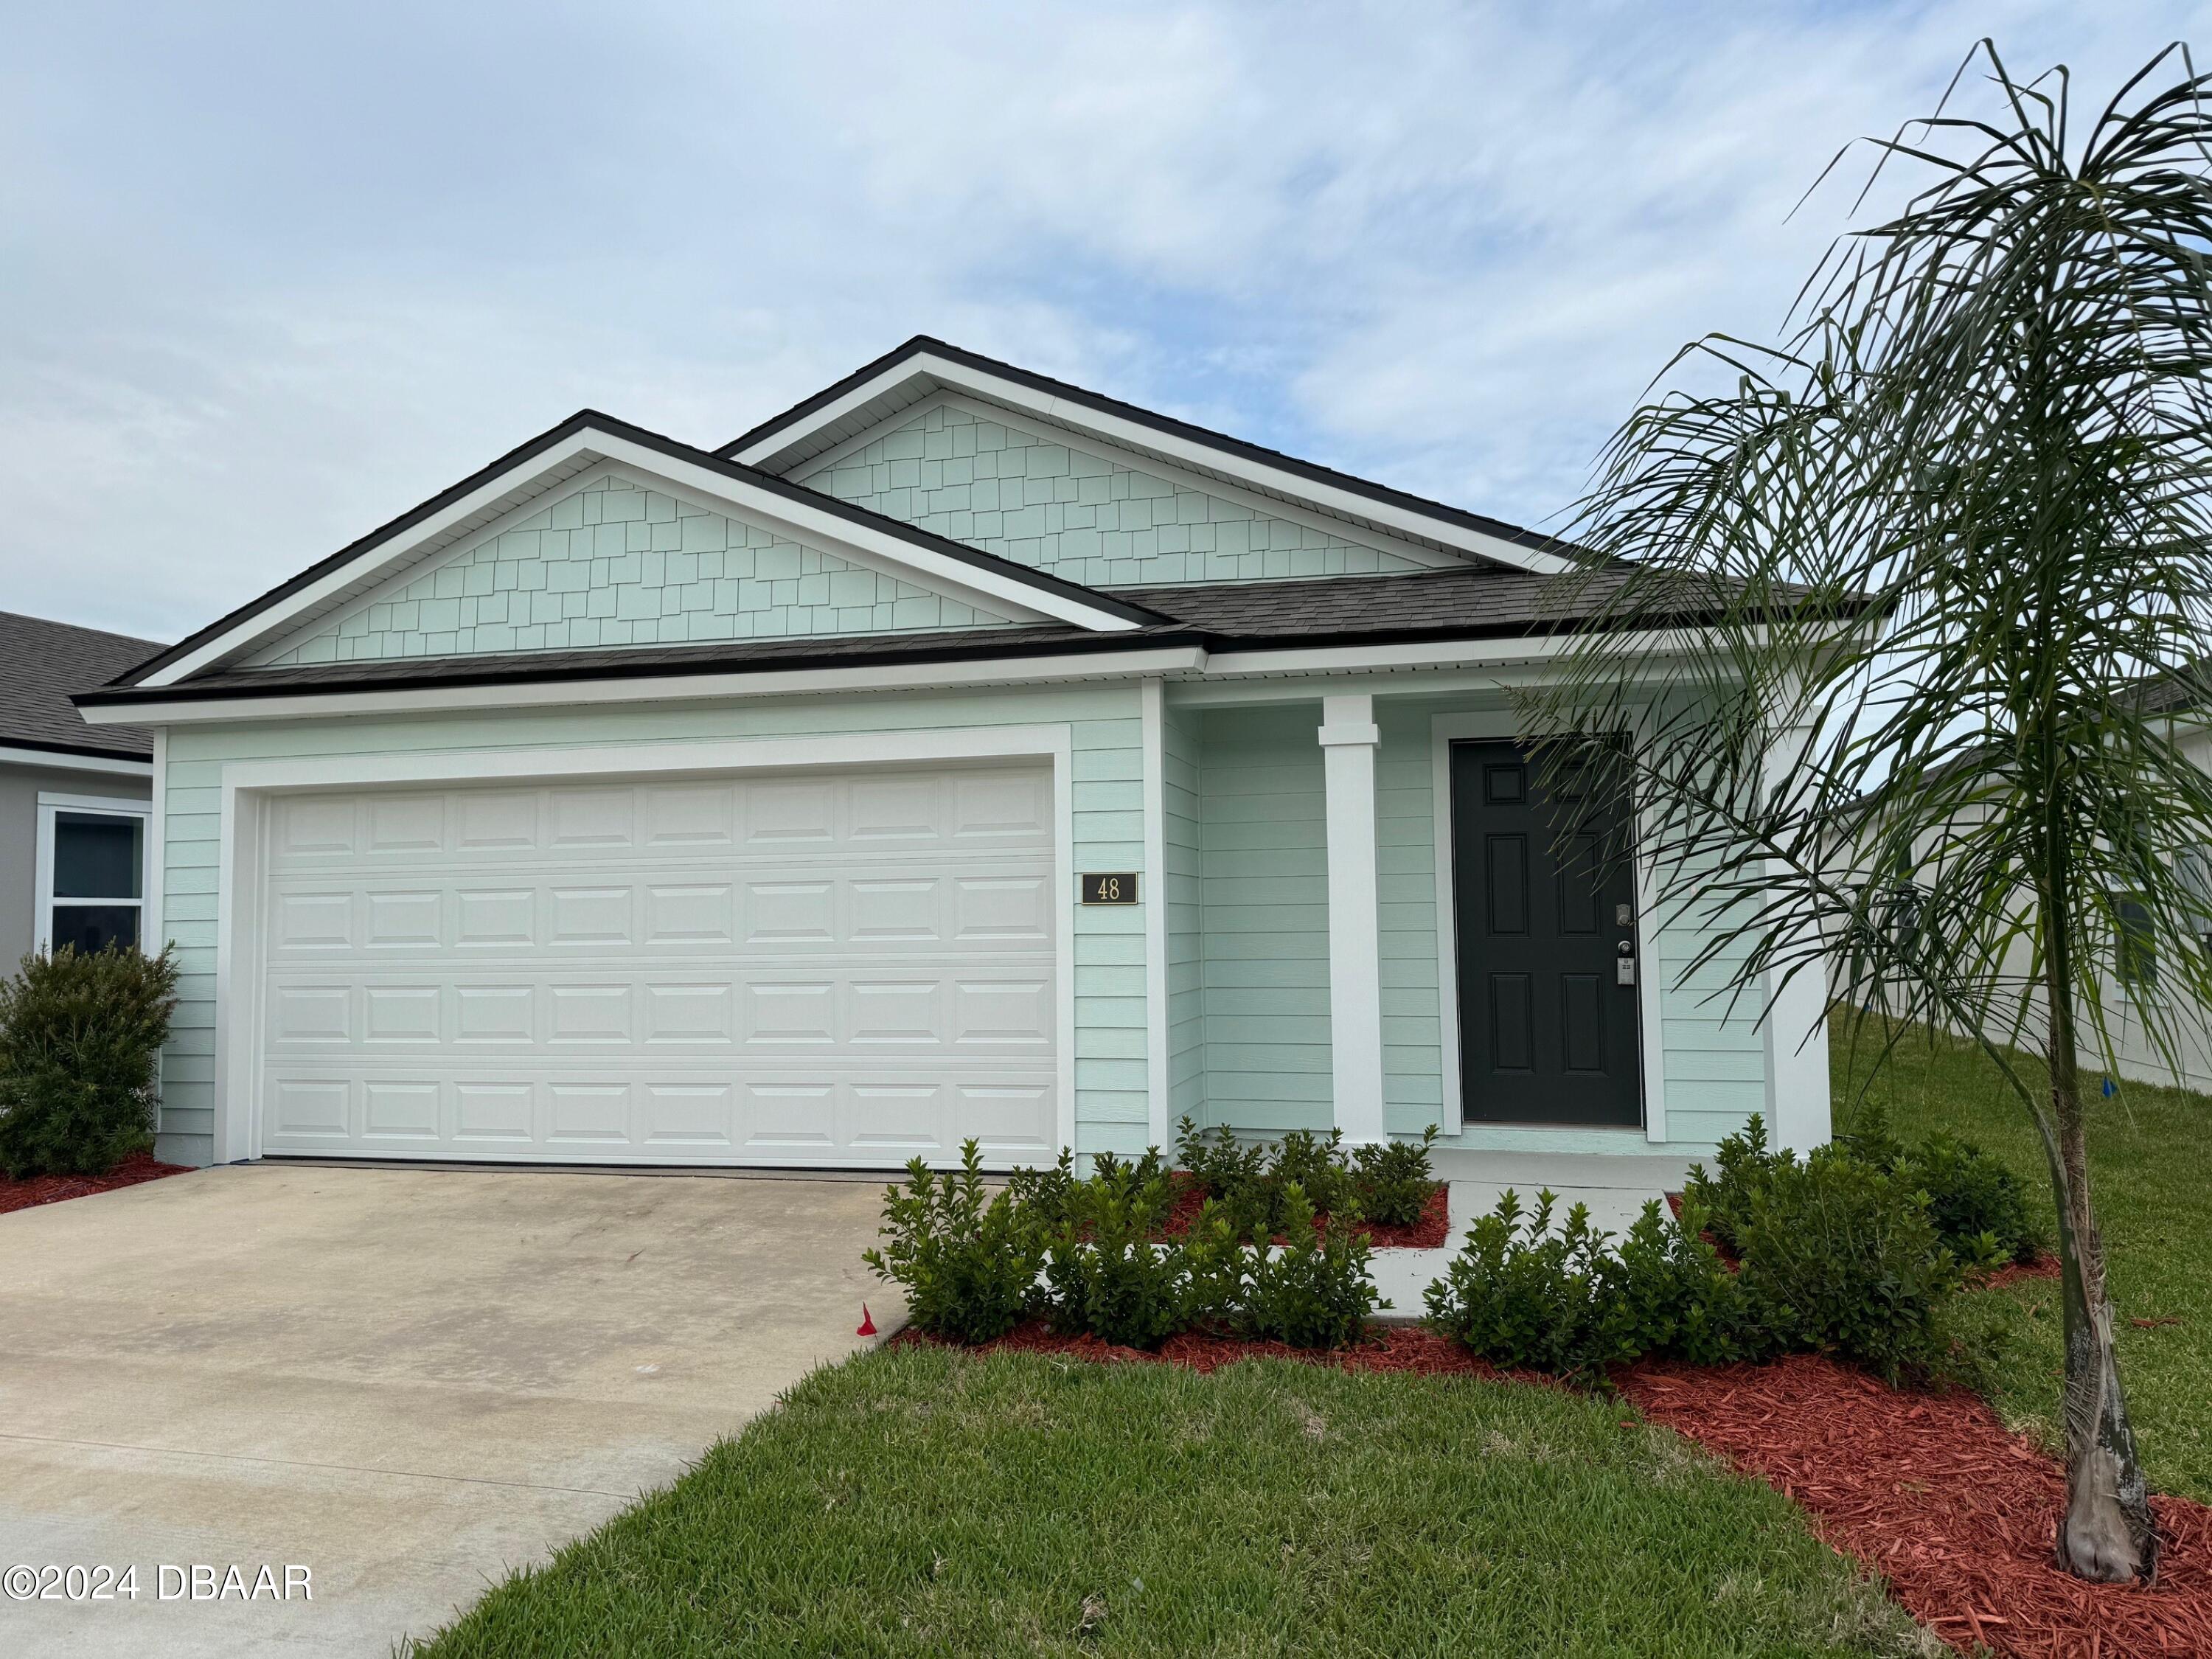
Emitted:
<point x="92" y="872"/>
<point x="2138" y="954"/>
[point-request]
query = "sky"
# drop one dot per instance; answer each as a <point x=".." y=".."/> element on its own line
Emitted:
<point x="269" y="275"/>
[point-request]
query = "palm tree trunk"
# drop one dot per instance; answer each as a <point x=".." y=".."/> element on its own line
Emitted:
<point x="2107" y="1534"/>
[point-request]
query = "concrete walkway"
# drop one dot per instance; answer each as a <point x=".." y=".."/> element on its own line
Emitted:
<point x="1614" y="1186"/>
<point x="404" y="1381"/>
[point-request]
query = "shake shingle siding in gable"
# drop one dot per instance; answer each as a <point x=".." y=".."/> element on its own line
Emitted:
<point x="614" y="563"/>
<point x="1075" y="509"/>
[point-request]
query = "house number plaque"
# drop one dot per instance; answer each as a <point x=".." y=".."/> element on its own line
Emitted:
<point x="1117" y="888"/>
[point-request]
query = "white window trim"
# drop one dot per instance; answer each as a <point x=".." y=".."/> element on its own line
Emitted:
<point x="1443" y="730"/>
<point x="249" y="787"/>
<point x="113" y="806"/>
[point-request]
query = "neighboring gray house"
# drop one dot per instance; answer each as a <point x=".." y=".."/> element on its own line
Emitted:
<point x="958" y="753"/>
<point x="75" y="800"/>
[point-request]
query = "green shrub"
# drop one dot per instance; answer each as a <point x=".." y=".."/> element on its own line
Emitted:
<point x="1390" y="1184"/>
<point x="1315" y="1166"/>
<point x="1979" y="1207"/>
<point x="968" y="1264"/>
<point x="1742" y="1168"/>
<point x="1102" y="1274"/>
<point x="1218" y="1161"/>
<point x="1521" y="1294"/>
<point x="1315" y="1292"/>
<point x="79" y="1035"/>
<point x="1394" y="1180"/>
<point x="1840" y="1255"/>
<point x="1216" y="1267"/>
<point x="1680" y="1300"/>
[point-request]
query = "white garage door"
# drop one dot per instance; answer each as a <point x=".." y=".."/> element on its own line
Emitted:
<point x="825" y="967"/>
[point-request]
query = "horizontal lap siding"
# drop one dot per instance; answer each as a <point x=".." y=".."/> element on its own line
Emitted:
<point x="1105" y="731"/>
<point x="1266" y="917"/>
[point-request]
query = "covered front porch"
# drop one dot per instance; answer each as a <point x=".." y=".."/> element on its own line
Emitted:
<point x="1366" y="926"/>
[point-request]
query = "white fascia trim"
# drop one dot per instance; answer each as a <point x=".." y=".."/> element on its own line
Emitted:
<point x="248" y="786"/>
<point x="792" y="683"/>
<point x="1359" y="535"/>
<point x="54" y="761"/>
<point x="934" y="567"/>
<point x="1191" y="452"/>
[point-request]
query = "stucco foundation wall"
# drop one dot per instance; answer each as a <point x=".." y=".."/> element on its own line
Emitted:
<point x="1105" y="731"/>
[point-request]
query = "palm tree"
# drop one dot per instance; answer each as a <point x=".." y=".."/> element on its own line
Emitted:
<point x="1946" y="541"/>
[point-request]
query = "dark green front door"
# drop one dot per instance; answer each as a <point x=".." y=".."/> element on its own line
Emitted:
<point x="1547" y="1010"/>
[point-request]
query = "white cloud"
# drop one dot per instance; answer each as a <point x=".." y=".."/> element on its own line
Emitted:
<point x="269" y="275"/>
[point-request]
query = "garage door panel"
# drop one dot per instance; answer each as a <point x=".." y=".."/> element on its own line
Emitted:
<point x="690" y="1015"/>
<point x="832" y="968"/>
<point x="495" y="1014"/>
<point x="403" y="1014"/>
<point x="404" y="919"/>
<point x="495" y="820"/>
<point x="313" y="921"/>
<point x="790" y="1012"/>
<point x="496" y="1113"/>
<point x="694" y="1116"/>
<point x="588" y="1114"/>
<point x="696" y="914"/>
<point x="310" y="1017"/>
<point x="898" y="1119"/>
<point x="401" y="1110"/>
<point x="1011" y="1120"/>
<point x="311" y="1109"/>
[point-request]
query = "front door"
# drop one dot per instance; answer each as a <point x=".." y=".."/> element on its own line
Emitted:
<point x="1545" y="896"/>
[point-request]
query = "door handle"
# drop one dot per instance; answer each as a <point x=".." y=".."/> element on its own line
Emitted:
<point x="1624" y="962"/>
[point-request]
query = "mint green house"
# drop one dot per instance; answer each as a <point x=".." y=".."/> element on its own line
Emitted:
<point x="959" y="753"/>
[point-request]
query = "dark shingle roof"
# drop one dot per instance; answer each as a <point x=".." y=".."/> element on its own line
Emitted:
<point x="41" y="663"/>
<point x="1473" y="602"/>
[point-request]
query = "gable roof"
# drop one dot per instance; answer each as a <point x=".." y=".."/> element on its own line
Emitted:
<point x="1474" y="602"/>
<point x="924" y="364"/>
<point x="585" y="439"/>
<point x="41" y="663"/>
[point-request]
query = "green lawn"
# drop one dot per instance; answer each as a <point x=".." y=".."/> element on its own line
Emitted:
<point x="919" y="1502"/>
<point x="2150" y="1152"/>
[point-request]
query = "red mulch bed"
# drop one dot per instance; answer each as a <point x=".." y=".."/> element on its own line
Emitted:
<point x="1429" y="1233"/>
<point x="1930" y="1491"/>
<point x="53" y="1188"/>
<point x="1927" y="1490"/>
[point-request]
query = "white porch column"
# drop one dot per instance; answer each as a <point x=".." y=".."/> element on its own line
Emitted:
<point x="1796" y="1034"/>
<point x="1348" y="739"/>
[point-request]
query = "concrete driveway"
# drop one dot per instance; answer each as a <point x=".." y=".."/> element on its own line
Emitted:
<point x="405" y="1381"/>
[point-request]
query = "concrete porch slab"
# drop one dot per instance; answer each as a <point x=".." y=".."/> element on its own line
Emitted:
<point x="1615" y="1188"/>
